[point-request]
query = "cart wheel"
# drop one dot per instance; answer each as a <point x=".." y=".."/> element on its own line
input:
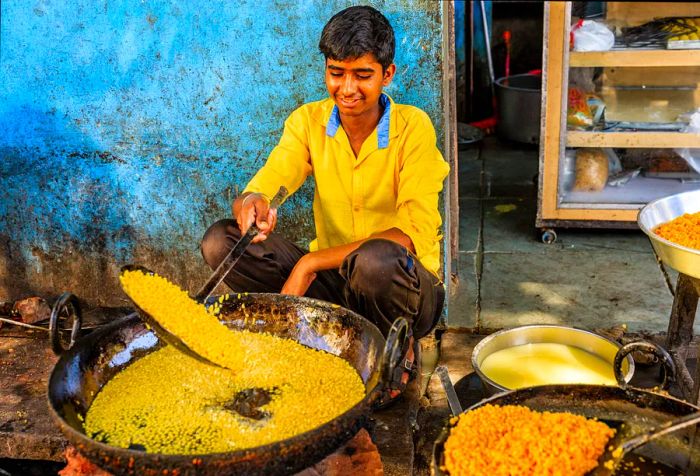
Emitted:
<point x="548" y="236"/>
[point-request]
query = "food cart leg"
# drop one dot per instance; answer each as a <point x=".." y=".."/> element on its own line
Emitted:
<point x="680" y="333"/>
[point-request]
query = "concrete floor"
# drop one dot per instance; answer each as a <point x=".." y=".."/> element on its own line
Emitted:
<point x="588" y="278"/>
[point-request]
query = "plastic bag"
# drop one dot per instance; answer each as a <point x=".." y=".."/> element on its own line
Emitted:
<point x="590" y="35"/>
<point x="692" y="156"/>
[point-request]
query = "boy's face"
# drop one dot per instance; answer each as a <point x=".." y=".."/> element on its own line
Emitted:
<point x="356" y="85"/>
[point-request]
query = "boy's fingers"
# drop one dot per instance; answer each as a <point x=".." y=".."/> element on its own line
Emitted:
<point x="259" y="237"/>
<point x="261" y="211"/>
<point x="271" y="219"/>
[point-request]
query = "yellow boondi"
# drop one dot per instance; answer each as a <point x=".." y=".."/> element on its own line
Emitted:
<point x="169" y="403"/>
<point x="514" y="440"/>
<point x="683" y="230"/>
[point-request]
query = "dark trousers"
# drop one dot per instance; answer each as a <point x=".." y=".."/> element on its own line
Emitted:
<point x="381" y="280"/>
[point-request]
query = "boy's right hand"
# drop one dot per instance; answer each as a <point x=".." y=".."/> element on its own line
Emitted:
<point x="255" y="208"/>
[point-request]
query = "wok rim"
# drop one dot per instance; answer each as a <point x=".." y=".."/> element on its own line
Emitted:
<point x="361" y="410"/>
<point x="499" y="82"/>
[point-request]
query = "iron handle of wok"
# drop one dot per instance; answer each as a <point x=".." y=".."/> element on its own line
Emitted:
<point x="393" y="349"/>
<point x="66" y="304"/>
<point x="669" y="368"/>
<point x="236" y="252"/>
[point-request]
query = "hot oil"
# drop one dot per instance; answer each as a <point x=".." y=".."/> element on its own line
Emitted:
<point x="635" y="465"/>
<point x="546" y="363"/>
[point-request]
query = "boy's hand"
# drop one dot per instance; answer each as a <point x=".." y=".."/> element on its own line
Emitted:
<point x="299" y="279"/>
<point x="255" y="208"/>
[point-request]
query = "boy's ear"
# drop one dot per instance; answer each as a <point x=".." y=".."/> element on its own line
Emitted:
<point x="388" y="74"/>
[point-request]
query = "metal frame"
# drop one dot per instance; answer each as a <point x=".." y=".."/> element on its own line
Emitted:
<point x="451" y="196"/>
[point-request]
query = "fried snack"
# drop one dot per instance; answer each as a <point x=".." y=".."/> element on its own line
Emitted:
<point x="170" y="403"/>
<point x="591" y="170"/>
<point x="514" y="440"/>
<point x="683" y="230"/>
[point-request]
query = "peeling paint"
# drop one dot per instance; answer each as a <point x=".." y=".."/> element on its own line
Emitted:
<point x="126" y="130"/>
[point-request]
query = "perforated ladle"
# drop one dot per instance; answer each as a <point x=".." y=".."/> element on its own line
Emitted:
<point x="204" y="293"/>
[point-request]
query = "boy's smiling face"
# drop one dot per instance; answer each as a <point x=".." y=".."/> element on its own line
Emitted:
<point x="356" y="84"/>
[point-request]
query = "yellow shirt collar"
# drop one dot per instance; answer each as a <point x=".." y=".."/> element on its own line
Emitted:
<point x="387" y="128"/>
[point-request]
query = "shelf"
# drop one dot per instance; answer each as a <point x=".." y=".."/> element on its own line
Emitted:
<point x="635" y="58"/>
<point x="644" y="139"/>
<point x="634" y="194"/>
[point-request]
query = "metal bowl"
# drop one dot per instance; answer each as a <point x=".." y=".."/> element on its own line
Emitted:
<point x="681" y="258"/>
<point x="537" y="334"/>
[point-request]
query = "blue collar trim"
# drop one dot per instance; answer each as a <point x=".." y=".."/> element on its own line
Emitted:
<point x="333" y="122"/>
<point x="382" y="127"/>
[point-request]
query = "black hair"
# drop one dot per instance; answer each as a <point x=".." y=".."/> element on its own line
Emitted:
<point x="357" y="31"/>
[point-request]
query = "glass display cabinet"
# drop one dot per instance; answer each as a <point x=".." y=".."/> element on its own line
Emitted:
<point x="617" y="125"/>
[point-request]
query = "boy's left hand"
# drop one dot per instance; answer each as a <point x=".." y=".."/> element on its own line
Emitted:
<point x="299" y="279"/>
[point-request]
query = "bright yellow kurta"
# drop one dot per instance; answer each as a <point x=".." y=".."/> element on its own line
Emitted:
<point x="396" y="186"/>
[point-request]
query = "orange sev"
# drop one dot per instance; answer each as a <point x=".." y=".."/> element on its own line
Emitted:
<point x="514" y="440"/>
<point x="683" y="230"/>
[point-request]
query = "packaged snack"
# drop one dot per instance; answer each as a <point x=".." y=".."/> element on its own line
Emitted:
<point x="579" y="114"/>
<point x="591" y="170"/>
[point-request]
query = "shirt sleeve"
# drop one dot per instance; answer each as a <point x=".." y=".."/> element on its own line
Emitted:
<point x="421" y="178"/>
<point x="289" y="162"/>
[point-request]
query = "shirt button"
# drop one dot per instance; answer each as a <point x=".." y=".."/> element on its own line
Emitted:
<point x="356" y="208"/>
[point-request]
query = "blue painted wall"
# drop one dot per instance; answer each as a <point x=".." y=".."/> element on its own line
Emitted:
<point x="127" y="127"/>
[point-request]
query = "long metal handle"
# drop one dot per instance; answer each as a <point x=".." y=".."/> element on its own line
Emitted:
<point x="22" y="324"/>
<point x="613" y="457"/>
<point x="236" y="252"/>
<point x="487" y="40"/>
<point x="661" y="430"/>
<point x="452" y="398"/>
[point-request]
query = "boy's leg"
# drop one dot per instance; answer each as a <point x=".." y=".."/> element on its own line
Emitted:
<point x="265" y="266"/>
<point x="386" y="281"/>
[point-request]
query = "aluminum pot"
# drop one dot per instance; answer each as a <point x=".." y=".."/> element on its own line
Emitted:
<point x="681" y="258"/>
<point x="519" y="99"/>
<point x="83" y="370"/>
<point x="553" y="334"/>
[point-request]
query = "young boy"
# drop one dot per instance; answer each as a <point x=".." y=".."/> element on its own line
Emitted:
<point x="377" y="174"/>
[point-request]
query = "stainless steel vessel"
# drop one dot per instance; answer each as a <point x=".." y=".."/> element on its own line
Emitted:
<point x="583" y="339"/>
<point x="681" y="258"/>
<point x="519" y="101"/>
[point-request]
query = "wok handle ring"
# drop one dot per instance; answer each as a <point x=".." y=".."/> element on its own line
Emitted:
<point x="66" y="305"/>
<point x="669" y="368"/>
<point x="393" y="348"/>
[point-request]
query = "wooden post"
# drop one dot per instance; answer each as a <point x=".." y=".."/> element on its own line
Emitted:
<point x="680" y="333"/>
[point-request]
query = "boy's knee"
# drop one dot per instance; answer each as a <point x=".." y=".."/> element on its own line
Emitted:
<point x="371" y="267"/>
<point x="215" y="243"/>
